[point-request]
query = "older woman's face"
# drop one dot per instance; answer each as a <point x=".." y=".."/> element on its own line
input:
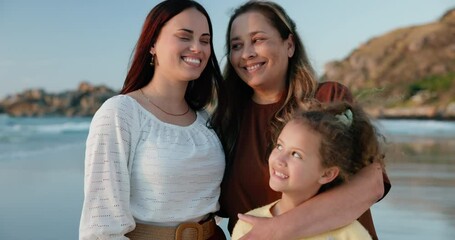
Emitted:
<point x="258" y="53"/>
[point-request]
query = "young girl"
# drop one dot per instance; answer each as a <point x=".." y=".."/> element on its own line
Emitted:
<point x="316" y="150"/>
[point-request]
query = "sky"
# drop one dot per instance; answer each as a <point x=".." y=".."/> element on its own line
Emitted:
<point x="56" y="44"/>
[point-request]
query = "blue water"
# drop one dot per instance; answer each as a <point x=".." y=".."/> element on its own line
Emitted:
<point x="22" y="137"/>
<point x="417" y="128"/>
<point x="42" y="161"/>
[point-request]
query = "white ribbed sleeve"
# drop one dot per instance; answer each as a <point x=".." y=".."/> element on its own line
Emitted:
<point x="138" y="168"/>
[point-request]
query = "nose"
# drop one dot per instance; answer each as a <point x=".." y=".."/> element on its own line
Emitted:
<point x="196" y="47"/>
<point x="280" y="158"/>
<point x="248" y="51"/>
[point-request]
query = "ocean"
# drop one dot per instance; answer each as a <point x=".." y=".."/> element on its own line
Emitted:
<point x="42" y="168"/>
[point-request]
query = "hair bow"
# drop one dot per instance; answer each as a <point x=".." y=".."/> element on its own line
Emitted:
<point x="345" y="117"/>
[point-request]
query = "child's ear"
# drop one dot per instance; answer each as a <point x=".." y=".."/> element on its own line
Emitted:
<point x="329" y="174"/>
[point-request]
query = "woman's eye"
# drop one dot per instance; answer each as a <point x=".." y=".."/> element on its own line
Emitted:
<point x="257" y="40"/>
<point x="205" y="41"/>
<point x="184" y="38"/>
<point x="236" y="46"/>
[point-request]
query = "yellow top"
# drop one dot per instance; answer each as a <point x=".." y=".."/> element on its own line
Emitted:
<point x="353" y="231"/>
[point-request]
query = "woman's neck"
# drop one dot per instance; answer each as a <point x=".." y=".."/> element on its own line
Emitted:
<point x="168" y="96"/>
<point x="166" y="90"/>
<point x="269" y="93"/>
<point x="267" y="97"/>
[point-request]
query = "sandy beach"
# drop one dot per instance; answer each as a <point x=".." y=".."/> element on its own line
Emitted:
<point x="420" y="204"/>
<point x="42" y="192"/>
<point x="42" y="195"/>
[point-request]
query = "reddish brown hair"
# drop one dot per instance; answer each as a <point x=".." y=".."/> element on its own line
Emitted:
<point x="200" y="91"/>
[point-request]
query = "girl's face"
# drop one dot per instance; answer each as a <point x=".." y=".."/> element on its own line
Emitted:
<point x="182" y="49"/>
<point x="295" y="162"/>
<point x="258" y="53"/>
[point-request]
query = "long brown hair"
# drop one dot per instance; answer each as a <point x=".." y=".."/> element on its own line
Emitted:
<point x="300" y="79"/>
<point x="200" y="91"/>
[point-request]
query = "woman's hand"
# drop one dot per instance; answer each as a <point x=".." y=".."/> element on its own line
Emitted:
<point x="316" y="215"/>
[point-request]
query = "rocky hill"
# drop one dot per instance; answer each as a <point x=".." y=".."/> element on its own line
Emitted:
<point x="84" y="101"/>
<point x="406" y="73"/>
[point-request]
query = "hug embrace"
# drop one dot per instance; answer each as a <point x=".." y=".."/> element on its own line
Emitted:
<point x="158" y="165"/>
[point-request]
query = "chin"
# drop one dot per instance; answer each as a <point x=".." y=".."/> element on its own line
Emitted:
<point x="191" y="77"/>
<point x="274" y="187"/>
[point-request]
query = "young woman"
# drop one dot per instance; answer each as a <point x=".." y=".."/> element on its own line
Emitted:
<point x="318" y="149"/>
<point x="152" y="167"/>
<point x="267" y="76"/>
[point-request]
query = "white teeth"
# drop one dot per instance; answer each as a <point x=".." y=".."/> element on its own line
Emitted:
<point x="192" y="60"/>
<point x="281" y="175"/>
<point x="252" y="68"/>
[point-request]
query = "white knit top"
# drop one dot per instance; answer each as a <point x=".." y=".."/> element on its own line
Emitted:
<point x="141" y="169"/>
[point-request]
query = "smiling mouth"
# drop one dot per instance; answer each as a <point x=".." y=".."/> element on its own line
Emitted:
<point x="280" y="175"/>
<point x="253" y="68"/>
<point x="192" y="61"/>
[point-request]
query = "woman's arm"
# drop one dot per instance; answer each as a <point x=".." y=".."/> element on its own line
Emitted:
<point x="329" y="210"/>
<point x="105" y="213"/>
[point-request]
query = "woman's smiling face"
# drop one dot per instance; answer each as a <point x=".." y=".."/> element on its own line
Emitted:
<point x="182" y="49"/>
<point x="258" y="53"/>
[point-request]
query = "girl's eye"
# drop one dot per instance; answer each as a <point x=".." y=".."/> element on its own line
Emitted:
<point x="296" y="155"/>
<point x="279" y="147"/>
<point x="184" y="38"/>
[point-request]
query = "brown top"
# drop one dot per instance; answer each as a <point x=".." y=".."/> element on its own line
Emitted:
<point x="246" y="183"/>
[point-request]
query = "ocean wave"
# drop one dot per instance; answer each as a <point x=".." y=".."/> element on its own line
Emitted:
<point x="31" y="152"/>
<point x="426" y="128"/>
<point x="46" y="126"/>
<point x="57" y="128"/>
<point x="38" y="130"/>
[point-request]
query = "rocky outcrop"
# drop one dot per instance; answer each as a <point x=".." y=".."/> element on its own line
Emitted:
<point x="408" y="72"/>
<point x="36" y="102"/>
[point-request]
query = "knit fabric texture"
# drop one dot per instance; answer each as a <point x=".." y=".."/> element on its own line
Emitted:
<point x="141" y="169"/>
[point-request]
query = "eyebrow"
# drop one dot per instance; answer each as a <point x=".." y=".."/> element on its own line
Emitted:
<point x="192" y="32"/>
<point x="280" y="141"/>
<point x="251" y="34"/>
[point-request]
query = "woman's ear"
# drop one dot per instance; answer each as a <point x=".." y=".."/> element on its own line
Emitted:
<point x="290" y="45"/>
<point x="329" y="174"/>
<point x="152" y="49"/>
